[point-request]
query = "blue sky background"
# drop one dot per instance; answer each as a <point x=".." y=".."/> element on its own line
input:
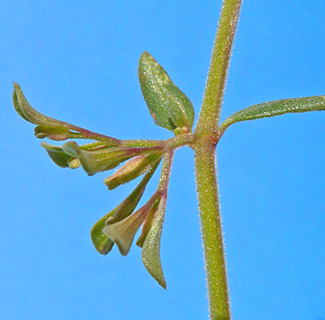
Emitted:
<point x="77" y="61"/>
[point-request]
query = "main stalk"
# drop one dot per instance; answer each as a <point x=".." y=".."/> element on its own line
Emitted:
<point x="206" y="137"/>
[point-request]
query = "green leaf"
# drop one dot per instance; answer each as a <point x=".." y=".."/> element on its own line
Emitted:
<point x="132" y="169"/>
<point x="168" y="105"/>
<point x="52" y="128"/>
<point x="27" y="112"/>
<point x="151" y="246"/>
<point x="275" y="108"/>
<point x="57" y="155"/>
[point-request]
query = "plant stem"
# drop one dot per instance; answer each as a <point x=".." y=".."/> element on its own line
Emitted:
<point x="206" y="138"/>
<point x="213" y="95"/>
<point x="215" y="266"/>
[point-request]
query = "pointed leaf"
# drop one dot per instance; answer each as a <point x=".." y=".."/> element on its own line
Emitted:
<point x="26" y="111"/>
<point x="151" y="246"/>
<point x="275" y="108"/>
<point x="132" y="169"/>
<point x="168" y="105"/>
<point x="57" y="155"/>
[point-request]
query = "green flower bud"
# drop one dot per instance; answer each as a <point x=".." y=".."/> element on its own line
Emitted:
<point x="123" y="232"/>
<point x="97" y="161"/>
<point x="102" y="242"/>
<point x="57" y="155"/>
<point x="132" y="169"/>
<point x="55" y="133"/>
<point x="74" y="163"/>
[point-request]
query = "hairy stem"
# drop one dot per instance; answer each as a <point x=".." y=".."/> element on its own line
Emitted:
<point x="213" y="95"/>
<point x="215" y="266"/>
<point x="206" y="138"/>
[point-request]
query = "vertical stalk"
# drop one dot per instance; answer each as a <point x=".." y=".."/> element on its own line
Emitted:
<point x="213" y="95"/>
<point x="215" y="266"/>
<point x="206" y="138"/>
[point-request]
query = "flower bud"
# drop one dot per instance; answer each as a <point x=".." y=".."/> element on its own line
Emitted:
<point x="57" y="155"/>
<point x="97" y="161"/>
<point x="123" y="232"/>
<point x="132" y="169"/>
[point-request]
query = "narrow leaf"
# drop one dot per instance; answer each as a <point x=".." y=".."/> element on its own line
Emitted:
<point x="26" y="111"/>
<point x="275" y="108"/>
<point x="151" y="246"/>
<point x="168" y="105"/>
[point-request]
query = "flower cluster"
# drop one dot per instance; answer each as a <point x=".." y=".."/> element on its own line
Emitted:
<point x="170" y="109"/>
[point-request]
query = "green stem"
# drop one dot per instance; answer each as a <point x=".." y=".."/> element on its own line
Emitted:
<point x="172" y="143"/>
<point x="213" y="95"/>
<point x="215" y="266"/>
<point x="206" y="138"/>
